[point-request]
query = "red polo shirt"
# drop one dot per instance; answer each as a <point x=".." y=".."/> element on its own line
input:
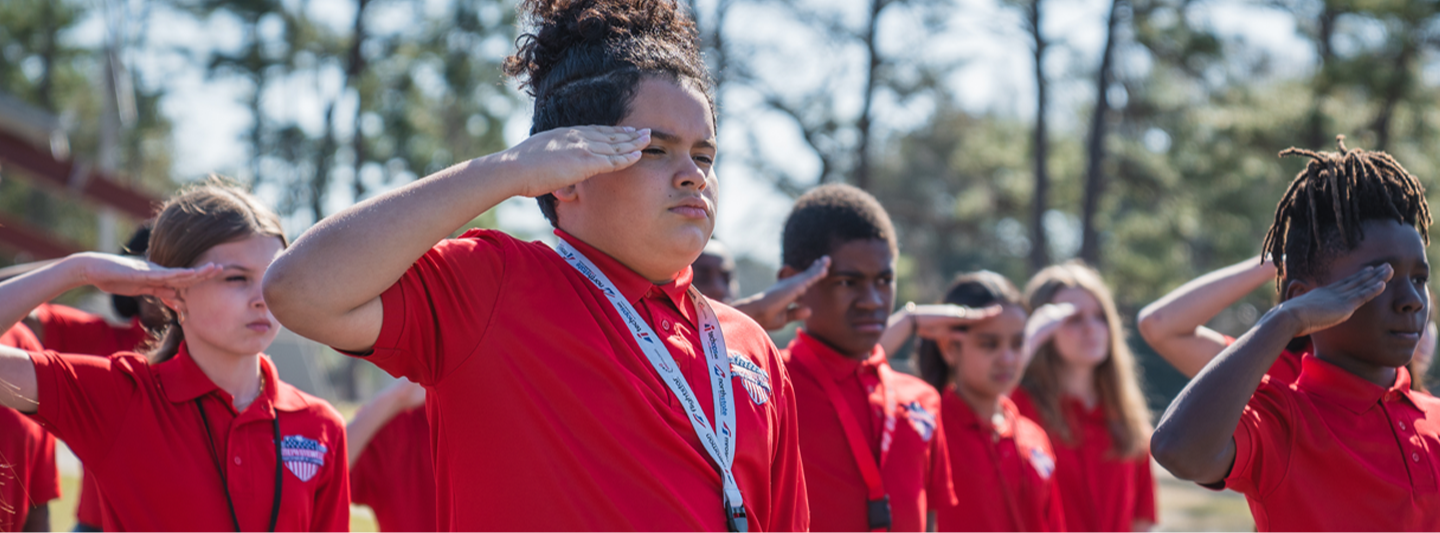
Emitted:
<point x="916" y="472"/>
<point x="1099" y="491"/>
<point x="28" y="477"/>
<point x="1334" y="452"/>
<point x="1004" y="471"/>
<point x="138" y="428"/>
<point x="395" y="475"/>
<point x="70" y="330"/>
<point x="544" y="413"/>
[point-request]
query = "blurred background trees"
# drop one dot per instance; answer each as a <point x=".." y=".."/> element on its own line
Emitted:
<point x="1142" y="139"/>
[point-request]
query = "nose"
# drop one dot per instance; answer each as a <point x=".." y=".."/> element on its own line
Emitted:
<point x="690" y="176"/>
<point x="871" y="297"/>
<point x="1408" y="298"/>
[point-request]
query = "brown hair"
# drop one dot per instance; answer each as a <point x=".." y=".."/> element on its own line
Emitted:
<point x="973" y="289"/>
<point x="199" y="218"/>
<point x="1117" y="379"/>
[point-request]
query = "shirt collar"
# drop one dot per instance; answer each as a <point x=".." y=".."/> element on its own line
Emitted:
<point x="630" y="283"/>
<point x="181" y="380"/>
<point x="967" y="417"/>
<point x="839" y="366"/>
<point x="1325" y="380"/>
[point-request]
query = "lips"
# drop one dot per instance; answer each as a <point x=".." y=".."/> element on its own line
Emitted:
<point x="692" y="207"/>
<point x="868" y="326"/>
<point x="259" y="325"/>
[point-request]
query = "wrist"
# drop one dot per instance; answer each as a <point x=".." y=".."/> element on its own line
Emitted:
<point x="1282" y="318"/>
<point x="74" y="270"/>
<point x="506" y="172"/>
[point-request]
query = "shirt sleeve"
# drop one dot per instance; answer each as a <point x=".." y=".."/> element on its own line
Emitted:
<point x="84" y="400"/>
<point x="332" y="501"/>
<point x="791" y="507"/>
<point x="436" y="314"/>
<point x="365" y="475"/>
<point x="1262" y="441"/>
<point x="940" y="488"/>
<point x="44" y="482"/>
<point x="1054" y="507"/>
<point x="1144" y="491"/>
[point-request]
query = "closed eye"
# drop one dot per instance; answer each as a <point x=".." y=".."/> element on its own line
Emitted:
<point x="705" y="159"/>
<point x="236" y="278"/>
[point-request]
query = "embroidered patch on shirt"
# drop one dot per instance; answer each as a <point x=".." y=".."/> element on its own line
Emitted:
<point x="756" y="379"/>
<point x="303" y="456"/>
<point x="922" y="420"/>
<point x="1043" y="463"/>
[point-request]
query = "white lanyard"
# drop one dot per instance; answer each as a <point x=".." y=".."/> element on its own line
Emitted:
<point x="721" y="444"/>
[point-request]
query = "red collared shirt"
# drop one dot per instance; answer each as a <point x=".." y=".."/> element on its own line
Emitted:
<point x="70" y="330"/>
<point x="544" y="413"/>
<point x="916" y="472"/>
<point x="395" y="475"/>
<point x="1099" y="491"/>
<point x="138" y="428"/>
<point x="1004" y="473"/>
<point x="1335" y="452"/>
<point x="28" y="477"/>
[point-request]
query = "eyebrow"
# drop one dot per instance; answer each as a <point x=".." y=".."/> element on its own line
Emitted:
<point x="857" y="274"/>
<point x="235" y="267"/>
<point x="668" y="137"/>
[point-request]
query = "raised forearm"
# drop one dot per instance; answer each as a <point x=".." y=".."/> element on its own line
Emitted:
<point x="349" y="259"/>
<point x="1174" y="324"/>
<point x="1194" y="437"/>
<point x="22" y="294"/>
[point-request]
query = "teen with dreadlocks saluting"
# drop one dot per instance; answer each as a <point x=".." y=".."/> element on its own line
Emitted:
<point x="1348" y="445"/>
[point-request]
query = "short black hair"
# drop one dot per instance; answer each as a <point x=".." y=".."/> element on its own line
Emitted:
<point x="585" y="59"/>
<point x="1320" y="215"/>
<point x="829" y="216"/>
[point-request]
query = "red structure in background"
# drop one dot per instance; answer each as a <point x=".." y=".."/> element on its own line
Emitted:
<point x="19" y="157"/>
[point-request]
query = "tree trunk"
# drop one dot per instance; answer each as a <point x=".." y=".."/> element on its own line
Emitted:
<point x="1317" y="126"/>
<point x="1039" y="244"/>
<point x="1094" y="168"/>
<point x="862" y="151"/>
<point x="1396" y="86"/>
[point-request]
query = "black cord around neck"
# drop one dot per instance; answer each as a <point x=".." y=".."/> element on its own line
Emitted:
<point x="224" y="480"/>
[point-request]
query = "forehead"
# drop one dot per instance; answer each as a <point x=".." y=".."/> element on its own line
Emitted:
<point x="255" y="252"/>
<point x="671" y="107"/>
<point x="868" y="256"/>
<point x="1078" y="297"/>
<point x="1385" y="240"/>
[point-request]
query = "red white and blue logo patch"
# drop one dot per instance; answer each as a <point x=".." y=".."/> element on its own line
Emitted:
<point x="756" y="379"/>
<point x="303" y="456"/>
<point x="1043" y="463"/>
<point x="922" y="420"/>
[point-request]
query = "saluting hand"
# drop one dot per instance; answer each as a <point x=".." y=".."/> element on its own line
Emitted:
<point x="936" y="322"/>
<point x="558" y="158"/>
<point x="776" y="306"/>
<point x="1043" y="324"/>
<point x="128" y="276"/>
<point x="1334" y="303"/>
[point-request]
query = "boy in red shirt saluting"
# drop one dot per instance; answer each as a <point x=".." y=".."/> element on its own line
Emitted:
<point x="874" y="448"/>
<point x="589" y="388"/>
<point x="1347" y="446"/>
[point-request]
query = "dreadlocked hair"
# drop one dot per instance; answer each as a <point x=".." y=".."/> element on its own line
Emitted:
<point x="1321" y="212"/>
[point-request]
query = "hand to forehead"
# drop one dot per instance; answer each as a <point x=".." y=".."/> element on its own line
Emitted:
<point x="1332" y="304"/>
<point x="128" y="276"/>
<point x="558" y="158"/>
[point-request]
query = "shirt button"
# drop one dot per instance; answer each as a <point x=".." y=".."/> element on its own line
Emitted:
<point x="237" y="459"/>
<point x="665" y="324"/>
<point x="1415" y="456"/>
<point x="1402" y="425"/>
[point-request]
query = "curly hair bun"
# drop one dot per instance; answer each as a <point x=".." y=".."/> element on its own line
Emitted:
<point x="577" y="39"/>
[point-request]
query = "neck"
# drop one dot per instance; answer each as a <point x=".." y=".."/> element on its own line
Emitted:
<point x="984" y="407"/>
<point x="1078" y="382"/>
<point x="238" y="375"/>
<point x="1383" y="376"/>
<point x="858" y="356"/>
<point x="652" y="263"/>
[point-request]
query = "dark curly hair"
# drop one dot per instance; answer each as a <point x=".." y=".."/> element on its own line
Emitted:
<point x="584" y="60"/>
<point x="828" y="216"/>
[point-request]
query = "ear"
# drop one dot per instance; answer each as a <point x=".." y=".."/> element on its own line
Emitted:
<point x="785" y="272"/>
<point x="175" y="303"/>
<point x="567" y="194"/>
<point x="1295" y="288"/>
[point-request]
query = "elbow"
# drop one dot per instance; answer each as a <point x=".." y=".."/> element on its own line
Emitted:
<point x="280" y="292"/>
<point x="1149" y="323"/>
<point x="1168" y="449"/>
